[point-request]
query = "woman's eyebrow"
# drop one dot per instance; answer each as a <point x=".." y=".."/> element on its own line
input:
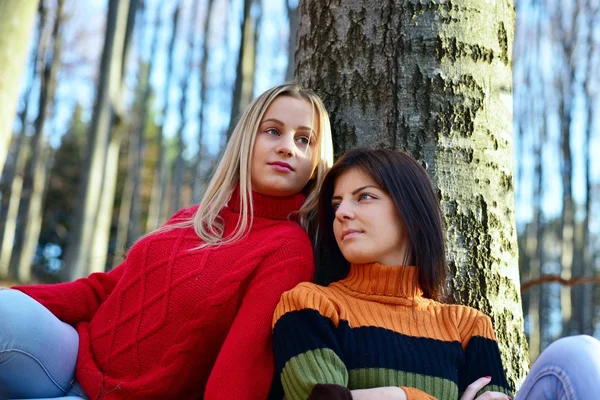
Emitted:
<point x="356" y="191"/>
<point x="300" y="128"/>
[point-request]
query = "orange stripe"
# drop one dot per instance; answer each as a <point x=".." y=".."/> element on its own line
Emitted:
<point x="427" y="319"/>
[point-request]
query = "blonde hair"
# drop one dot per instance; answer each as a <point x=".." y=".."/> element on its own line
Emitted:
<point x="234" y="168"/>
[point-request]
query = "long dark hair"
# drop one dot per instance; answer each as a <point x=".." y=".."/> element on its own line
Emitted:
<point x="411" y="190"/>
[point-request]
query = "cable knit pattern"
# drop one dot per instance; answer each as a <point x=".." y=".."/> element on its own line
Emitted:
<point x="172" y="322"/>
<point x="373" y="329"/>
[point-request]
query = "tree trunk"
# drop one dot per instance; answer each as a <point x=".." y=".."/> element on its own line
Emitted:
<point x="159" y="185"/>
<point x="185" y="82"/>
<point x="136" y="150"/>
<point x="199" y="181"/>
<point x="292" y="13"/>
<point x="434" y="79"/>
<point x="244" y="77"/>
<point x="14" y="177"/>
<point x="76" y="258"/>
<point x="586" y="305"/>
<point x="100" y="243"/>
<point x="27" y="239"/>
<point x="16" y="24"/>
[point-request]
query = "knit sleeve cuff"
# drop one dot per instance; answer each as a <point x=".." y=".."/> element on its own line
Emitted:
<point x="416" y="394"/>
<point x="328" y="391"/>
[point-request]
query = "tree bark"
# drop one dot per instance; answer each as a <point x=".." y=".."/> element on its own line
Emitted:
<point x="76" y="258"/>
<point x="434" y="79"/>
<point x="16" y="24"/>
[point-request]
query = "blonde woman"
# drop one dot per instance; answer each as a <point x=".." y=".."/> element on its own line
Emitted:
<point x="187" y="315"/>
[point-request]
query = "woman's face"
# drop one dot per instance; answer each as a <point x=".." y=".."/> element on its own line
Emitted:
<point x="285" y="151"/>
<point x="367" y="225"/>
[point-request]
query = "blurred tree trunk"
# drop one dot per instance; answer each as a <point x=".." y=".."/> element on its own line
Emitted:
<point x="566" y="79"/>
<point x="137" y="145"/>
<point x="119" y="124"/>
<point x="199" y="181"/>
<point x="292" y="13"/>
<point x="76" y="259"/>
<point x="423" y="82"/>
<point x="9" y="211"/>
<point x="183" y="100"/>
<point x="159" y="185"/>
<point x="16" y="24"/>
<point x="590" y="87"/>
<point x="244" y="76"/>
<point x="27" y="238"/>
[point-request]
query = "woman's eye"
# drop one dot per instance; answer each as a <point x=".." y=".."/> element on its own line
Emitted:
<point x="303" y="140"/>
<point x="365" y="196"/>
<point x="335" y="206"/>
<point x="272" y="131"/>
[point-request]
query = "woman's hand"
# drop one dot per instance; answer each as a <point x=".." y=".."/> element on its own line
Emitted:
<point x="479" y="384"/>
<point x="381" y="393"/>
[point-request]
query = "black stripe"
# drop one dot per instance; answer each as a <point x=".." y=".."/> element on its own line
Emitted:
<point x="297" y="332"/>
<point x="482" y="357"/>
<point x="300" y="331"/>
<point x="374" y="347"/>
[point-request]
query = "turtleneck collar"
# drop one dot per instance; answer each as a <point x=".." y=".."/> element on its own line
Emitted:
<point x="383" y="280"/>
<point x="271" y="207"/>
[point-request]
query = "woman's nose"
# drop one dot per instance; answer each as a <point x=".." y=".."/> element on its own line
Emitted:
<point x="344" y="211"/>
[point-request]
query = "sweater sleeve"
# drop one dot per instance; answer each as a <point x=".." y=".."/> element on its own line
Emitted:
<point x="244" y="367"/>
<point x="482" y="356"/>
<point x="78" y="301"/>
<point x="307" y="351"/>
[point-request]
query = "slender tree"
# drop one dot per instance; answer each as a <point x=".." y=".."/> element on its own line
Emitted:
<point x="76" y="258"/>
<point x="244" y="78"/>
<point x="137" y="142"/>
<point x="590" y="87"/>
<point x="292" y="14"/>
<point x="14" y="175"/>
<point x="120" y="124"/>
<point x="434" y="79"/>
<point x="183" y="101"/>
<point x="16" y="24"/>
<point x="156" y="211"/>
<point x="27" y="238"/>
<point x="203" y="78"/>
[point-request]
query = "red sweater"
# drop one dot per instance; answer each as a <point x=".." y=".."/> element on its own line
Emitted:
<point x="172" y="323"/>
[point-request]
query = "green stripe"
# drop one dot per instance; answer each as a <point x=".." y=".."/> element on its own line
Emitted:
<point x="494" y="388"/>
<point x="365" y="378"/>
<point x="305" y="370"/>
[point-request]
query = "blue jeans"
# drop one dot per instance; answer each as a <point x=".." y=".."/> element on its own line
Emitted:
<point x="38" y="352"/>
<point x="568" y="369"/>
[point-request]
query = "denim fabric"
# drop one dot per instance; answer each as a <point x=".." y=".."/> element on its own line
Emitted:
<point x="568" y="369"/>
<point x="38" y="352"/>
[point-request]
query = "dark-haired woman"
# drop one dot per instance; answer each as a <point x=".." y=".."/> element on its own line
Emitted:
<point x="379" y="329"/>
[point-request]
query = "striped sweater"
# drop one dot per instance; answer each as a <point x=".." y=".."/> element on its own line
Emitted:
<point x="372" y="329"/>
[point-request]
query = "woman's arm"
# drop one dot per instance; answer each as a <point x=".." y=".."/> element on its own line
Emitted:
<point x="78" y="301"/>
<point x="244" y="367"/>
<point x="482" y="356"/>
